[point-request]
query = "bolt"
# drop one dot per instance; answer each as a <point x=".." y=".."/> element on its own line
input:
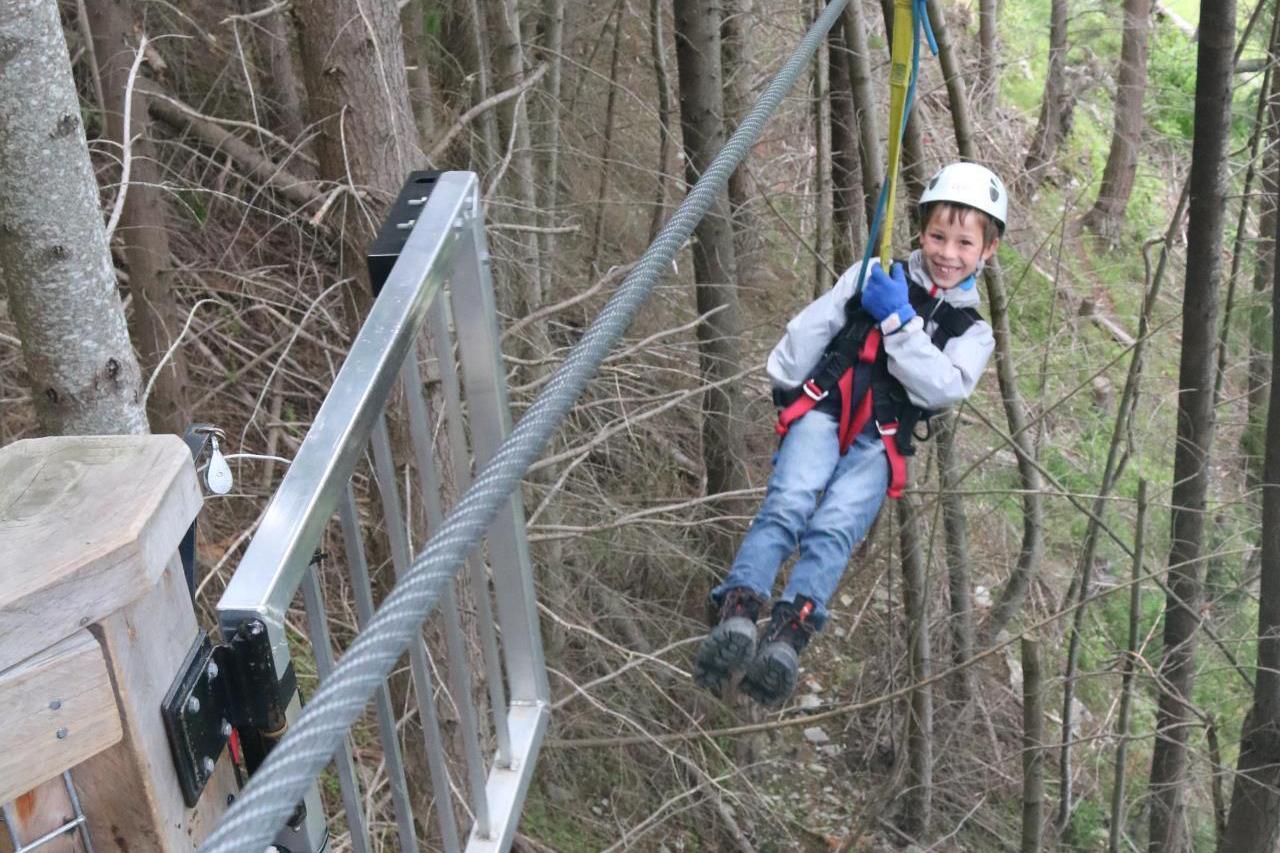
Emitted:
<point x="406" y="225"/>
<point x="193" y="705"/>
<point x="55" y="704"/>
<point x="459" y="223"/>
<point x="225" y="729"/>
<point x="61" y="733"/>
<point x="212" y="670"/>
<point x="414" y="202"/>
<point x="207" y="766"/>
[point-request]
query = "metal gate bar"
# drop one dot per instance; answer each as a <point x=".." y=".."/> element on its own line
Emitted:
<point x="440" y="282"/>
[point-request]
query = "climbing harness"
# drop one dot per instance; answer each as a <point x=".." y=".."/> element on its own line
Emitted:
<point x="853" y="378"/>
<point x="859" y="341"/>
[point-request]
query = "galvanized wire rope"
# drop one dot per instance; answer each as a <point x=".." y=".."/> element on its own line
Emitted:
<point x="274" y="790"/>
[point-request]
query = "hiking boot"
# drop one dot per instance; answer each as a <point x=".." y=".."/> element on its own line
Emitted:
<point x="771" y="677"/>
<point x="731" y="642"/>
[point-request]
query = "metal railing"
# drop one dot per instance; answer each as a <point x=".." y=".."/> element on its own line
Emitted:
<point x="439" y="295"/>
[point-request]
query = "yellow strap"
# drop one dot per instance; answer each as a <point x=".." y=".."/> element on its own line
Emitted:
<point x="899" y="75"/>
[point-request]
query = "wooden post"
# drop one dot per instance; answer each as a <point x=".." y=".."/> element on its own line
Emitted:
<point x="90" y="527"/>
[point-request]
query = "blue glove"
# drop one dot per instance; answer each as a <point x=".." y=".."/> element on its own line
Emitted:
<point x="884" y="296"/>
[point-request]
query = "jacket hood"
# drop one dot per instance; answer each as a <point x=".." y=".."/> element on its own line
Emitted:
<point x="916" y="271"/>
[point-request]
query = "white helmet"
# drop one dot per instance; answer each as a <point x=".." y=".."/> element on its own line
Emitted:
<point x="972" y="185"/>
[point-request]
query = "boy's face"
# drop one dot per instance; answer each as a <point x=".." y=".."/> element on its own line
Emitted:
<point x="951" y="242"/>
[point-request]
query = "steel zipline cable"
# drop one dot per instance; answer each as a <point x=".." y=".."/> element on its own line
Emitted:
<point x="282" y="780"/>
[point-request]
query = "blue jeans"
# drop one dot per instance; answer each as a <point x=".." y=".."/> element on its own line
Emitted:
<point x="817" y="500"/>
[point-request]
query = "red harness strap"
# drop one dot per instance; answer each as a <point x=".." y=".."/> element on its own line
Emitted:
<point x="853" y="419"/>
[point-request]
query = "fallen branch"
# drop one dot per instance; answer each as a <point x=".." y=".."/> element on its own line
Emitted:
<point x="487" y="104"/>
<point x="254" y="164"/>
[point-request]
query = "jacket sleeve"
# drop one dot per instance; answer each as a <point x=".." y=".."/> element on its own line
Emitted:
<point x="809" y="332"/>
<point x="933" y="378"/>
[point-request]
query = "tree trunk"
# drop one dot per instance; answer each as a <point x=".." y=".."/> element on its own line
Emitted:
<point x="954" y="525"/>
<point x="1260" y="362"/>
<point x="822" y="196"/>
<point x="1024" y="571"/>
<point x="918" y="813"/>
<point x="658" y="53"/>
<point x="606" y="154"/>
<point x="847" y="226"/>
<point x="956" y="531"/>
<point x="864" y="105"/>
<point x="988" y="71"/>
<point x="1254" y="820"/>
<point x="278" y="80"/>
<point x="1049" y="130"/>
<point x="358" y="101"/>
<point x="735" y="64"/>
<point x="1195" y="421"/>
<point x="56" y="267"/>
<point x="524" y="279"/>
<point x="142" y="227"/>
<point x="1129" y="667"/>
<point x="83" y="373"/>
<point x="549" y="143"/>
<point x="484" y="87"/>
<point x="418" y="71"/>
<point x="697" y="34"/>
<point x="1131" y="85"/>
<point x="1032" y="746"/>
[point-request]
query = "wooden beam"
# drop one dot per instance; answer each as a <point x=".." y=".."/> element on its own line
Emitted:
<point x="87" y="525"/>
<point x="58" y="710"/>
<point x="130" y="792"/>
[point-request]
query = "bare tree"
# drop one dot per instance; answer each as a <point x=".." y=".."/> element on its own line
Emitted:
<point x="1260" y="362"/>
<point x="697" y="34"/>
<point x="1214" y="64"/>
<point x="658" y="54"/>
<point x="847" y="225"/>
<point x="358" y="99"/>
<point x="735" y="62"/>
<point x="84" y="376"/>
<point x="988" y="68"/>
<point x="142" y="228"/>
<point x="918" y="814"/>
<point x="56" y="267"/>
<point x="1131" y="85"/>
<point x="1033" y="744"/>
<point x="1049" y="130"/>
<point x="278" y="82"/>
<point x="864" y="103"/>
<point x="413" y="22"/>
<point x="1253" y="824"/>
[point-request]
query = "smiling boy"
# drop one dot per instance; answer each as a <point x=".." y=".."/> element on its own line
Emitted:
<point x="852" y="376"/>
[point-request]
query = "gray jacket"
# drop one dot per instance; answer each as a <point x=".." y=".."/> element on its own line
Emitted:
<point x="933" y="379"/>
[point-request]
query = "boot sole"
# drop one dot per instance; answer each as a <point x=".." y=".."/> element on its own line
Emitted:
<point x="726" y="650"/>
<point x="771" y="678"/>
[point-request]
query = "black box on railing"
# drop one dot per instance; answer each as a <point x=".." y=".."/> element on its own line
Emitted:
<point x="399" y="222"/>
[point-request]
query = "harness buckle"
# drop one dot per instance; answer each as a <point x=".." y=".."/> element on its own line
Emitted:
<point x="813" y="392"/>
<point x="887" y="429"/>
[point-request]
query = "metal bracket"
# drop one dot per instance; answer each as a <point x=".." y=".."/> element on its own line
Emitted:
<point x="397" y="225"/>
<point x="218" y="690"/>
<point x="194" y="717"/>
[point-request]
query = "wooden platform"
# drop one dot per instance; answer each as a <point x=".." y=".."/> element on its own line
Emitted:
<point x="87" y="525"/>
<point x="95" y="621"/>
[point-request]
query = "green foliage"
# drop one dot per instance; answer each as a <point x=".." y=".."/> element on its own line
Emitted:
<point x="1171" y="86"/>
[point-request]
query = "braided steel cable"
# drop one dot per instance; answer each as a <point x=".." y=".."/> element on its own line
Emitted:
<point x="272" y="793"/>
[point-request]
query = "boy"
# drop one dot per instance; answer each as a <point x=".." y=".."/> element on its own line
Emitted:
<point x="848" y="409"/>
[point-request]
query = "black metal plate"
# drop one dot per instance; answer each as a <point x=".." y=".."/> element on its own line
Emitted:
<point x="391" y="237"/>
<point x="195" y="720"/>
